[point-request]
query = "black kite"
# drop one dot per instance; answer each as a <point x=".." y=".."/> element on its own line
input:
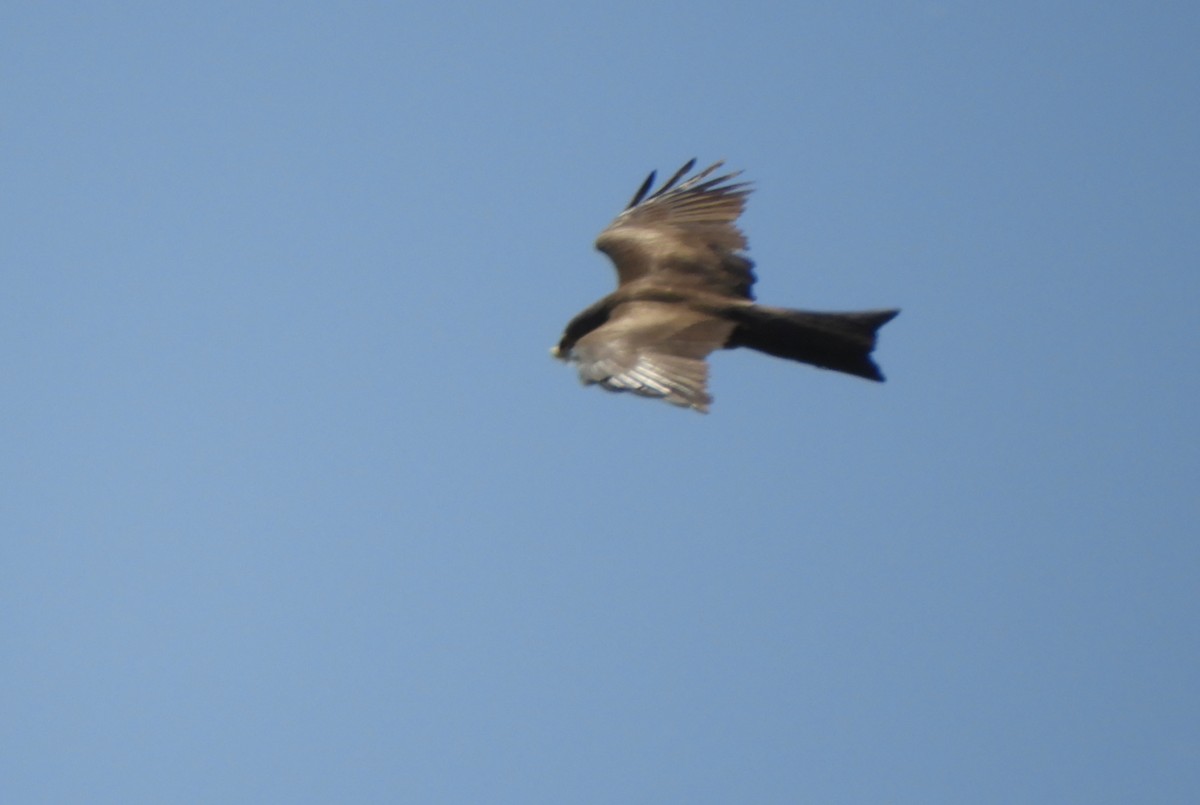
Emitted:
<point x="684" y="290"/>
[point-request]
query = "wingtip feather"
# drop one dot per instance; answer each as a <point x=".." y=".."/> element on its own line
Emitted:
<point x="641" y="192"/>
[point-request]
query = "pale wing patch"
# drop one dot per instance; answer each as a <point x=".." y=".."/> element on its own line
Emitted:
<point x="653" y="350"/>
<point x="679" y="381"/>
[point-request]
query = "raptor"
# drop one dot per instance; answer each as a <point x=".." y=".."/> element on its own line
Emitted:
<point x="684" y="289"/>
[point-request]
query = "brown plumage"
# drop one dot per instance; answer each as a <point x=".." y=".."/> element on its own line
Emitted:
<point x="684" y="290"/>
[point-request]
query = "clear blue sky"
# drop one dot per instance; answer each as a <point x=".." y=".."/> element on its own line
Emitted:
<point x="296" y="507"/>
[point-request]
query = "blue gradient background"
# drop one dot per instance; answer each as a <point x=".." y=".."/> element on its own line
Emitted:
<point x="296" y="508"/>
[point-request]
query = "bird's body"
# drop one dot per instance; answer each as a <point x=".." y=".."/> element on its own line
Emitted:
<point x="684" y="289"/>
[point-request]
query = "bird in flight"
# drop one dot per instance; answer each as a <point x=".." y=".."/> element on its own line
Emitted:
<point x="684" y="289"/>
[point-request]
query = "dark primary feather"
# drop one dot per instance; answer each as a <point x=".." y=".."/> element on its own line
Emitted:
<point x="646" y="185"/>
<point x="641" y="193"/>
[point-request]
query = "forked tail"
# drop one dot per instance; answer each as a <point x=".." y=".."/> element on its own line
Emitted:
<point x="839" y="341"/>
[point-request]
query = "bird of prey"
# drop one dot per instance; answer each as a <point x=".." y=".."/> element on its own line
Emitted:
<point x="684" y="290"/>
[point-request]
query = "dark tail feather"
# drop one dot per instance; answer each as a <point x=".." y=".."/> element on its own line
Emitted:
<point x="838" y="341"/>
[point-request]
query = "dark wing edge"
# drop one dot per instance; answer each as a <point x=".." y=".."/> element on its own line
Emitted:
<point x="694" y="188"/>
<point x="640" y="195"/>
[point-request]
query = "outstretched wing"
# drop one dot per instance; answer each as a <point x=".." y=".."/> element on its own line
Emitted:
<point x="683" y="234"/>
<point x="653" y="349"/>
